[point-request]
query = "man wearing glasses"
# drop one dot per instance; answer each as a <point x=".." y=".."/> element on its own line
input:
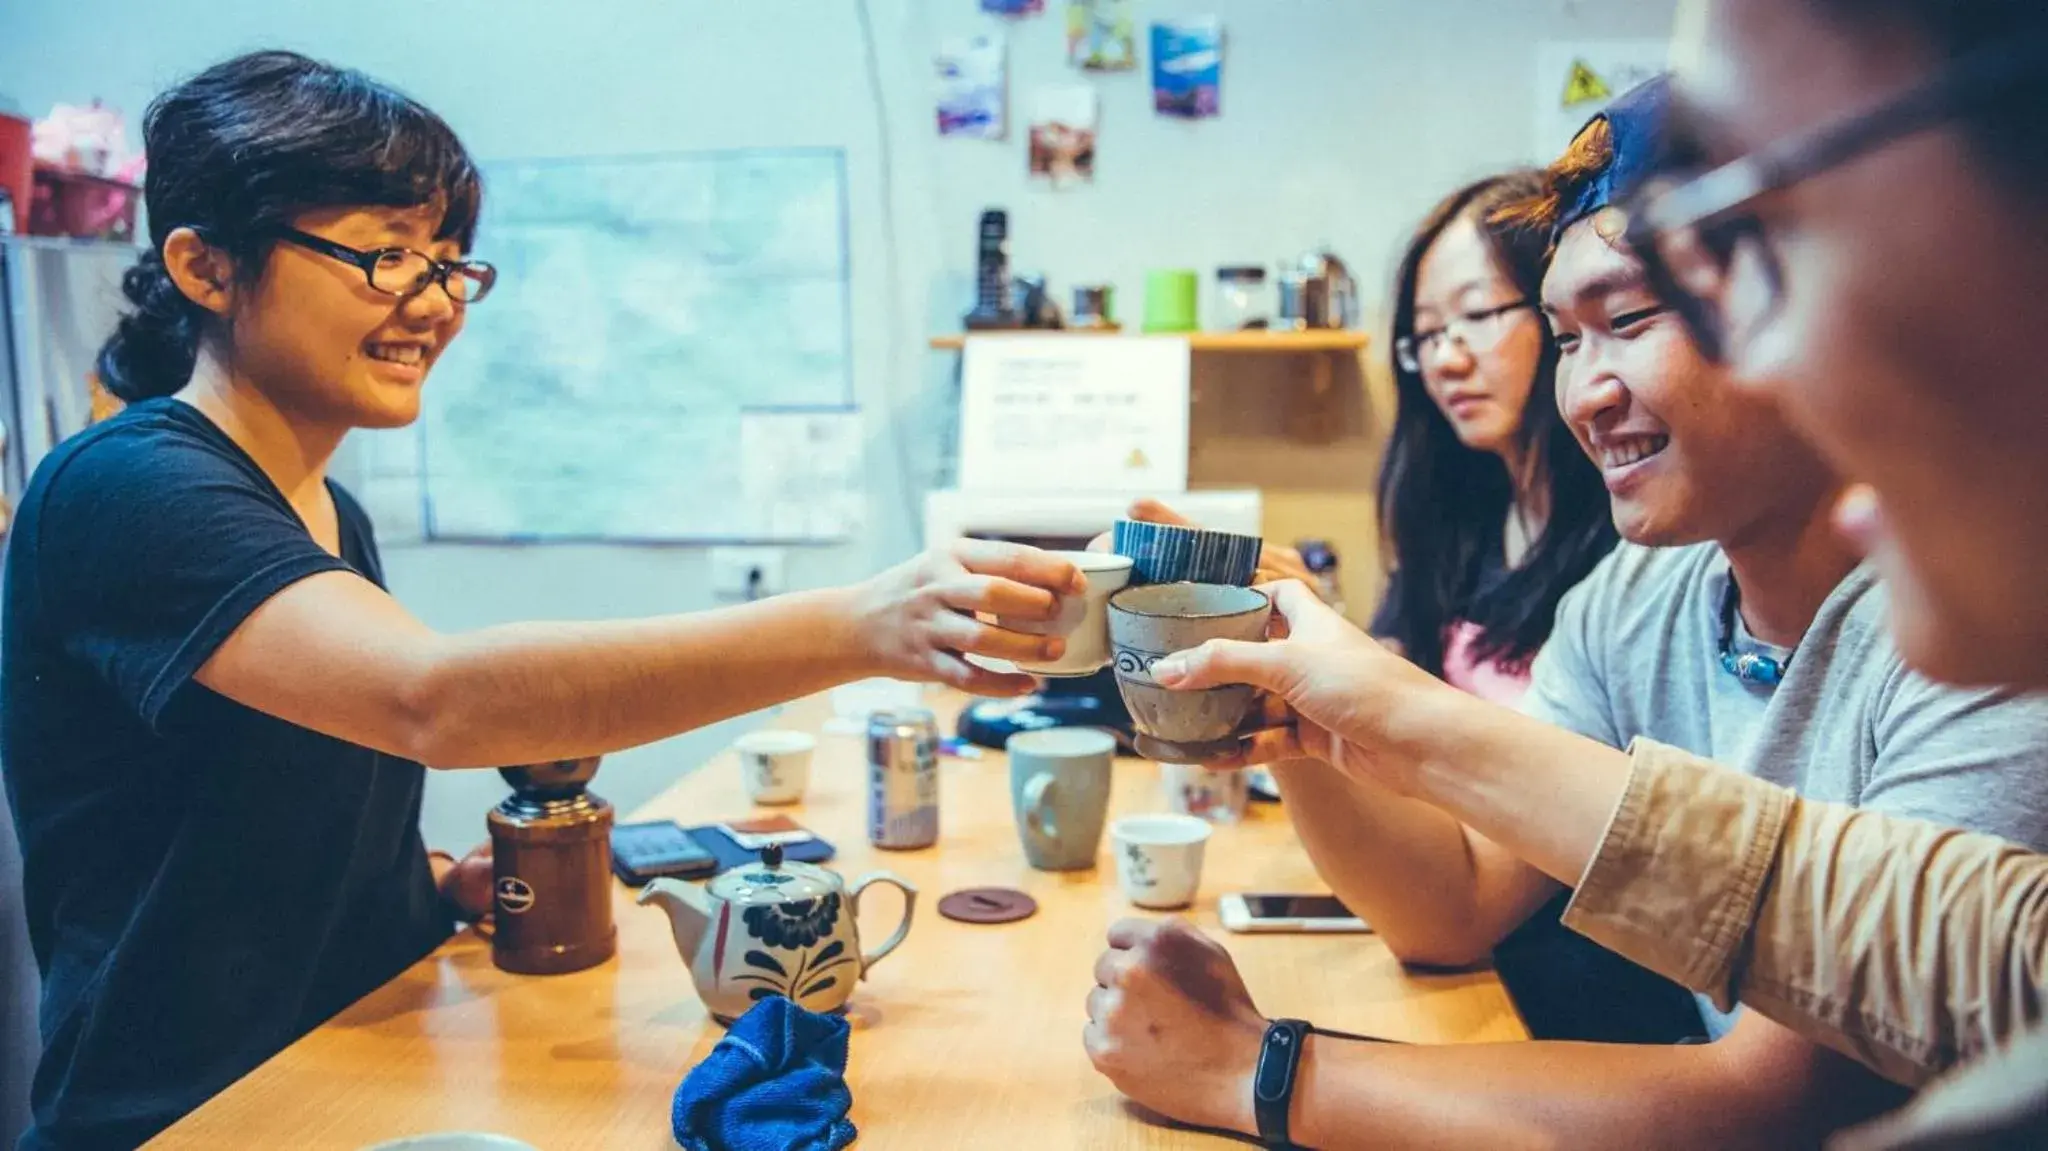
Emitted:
<point x="1865" y="238"/>
<point x="1862" y="232"/>
<point x="1745" y="632"/>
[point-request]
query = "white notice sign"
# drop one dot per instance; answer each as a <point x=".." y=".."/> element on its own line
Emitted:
<point x="1074" y="414"/>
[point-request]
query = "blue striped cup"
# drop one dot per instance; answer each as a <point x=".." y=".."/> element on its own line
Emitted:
<point x="1169" y="553"/>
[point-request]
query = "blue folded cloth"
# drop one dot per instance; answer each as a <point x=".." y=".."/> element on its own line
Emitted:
<point x="776" y="1082"/>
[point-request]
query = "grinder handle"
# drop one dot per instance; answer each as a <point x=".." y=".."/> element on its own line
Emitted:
<point x="871" y="958"/>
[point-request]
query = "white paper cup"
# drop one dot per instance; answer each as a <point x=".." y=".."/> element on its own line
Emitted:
<point x="1159" y="858"/>
<point x="775" y="765"/>
<point x="1217" y="796"/>
<point x="1083" y="620"/>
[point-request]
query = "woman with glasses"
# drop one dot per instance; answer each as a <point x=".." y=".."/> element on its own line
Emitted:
<point x="1491" y="511"/>
<point x="213" y="716"/>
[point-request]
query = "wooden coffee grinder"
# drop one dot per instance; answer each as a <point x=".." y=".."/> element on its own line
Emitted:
<point x="551" y="862"/>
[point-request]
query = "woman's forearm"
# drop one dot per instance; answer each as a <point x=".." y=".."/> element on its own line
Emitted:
<point x="1406" y="867"/>
<point x="529" y="692"/>
<point x="1541" y="792"/>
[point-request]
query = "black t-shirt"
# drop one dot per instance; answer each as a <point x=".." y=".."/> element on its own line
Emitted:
<point x="204" y="883"/>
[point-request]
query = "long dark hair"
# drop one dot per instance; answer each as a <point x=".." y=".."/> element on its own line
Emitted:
<point x="242" y="148"/>
<point x="1444" y="505"/>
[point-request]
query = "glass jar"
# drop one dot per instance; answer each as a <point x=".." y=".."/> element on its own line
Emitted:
<point x="1241" y="298"/>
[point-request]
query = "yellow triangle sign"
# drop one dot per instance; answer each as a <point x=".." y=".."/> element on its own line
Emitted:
<point x="1137" y="460"/>
<point x="1585" y="86"/>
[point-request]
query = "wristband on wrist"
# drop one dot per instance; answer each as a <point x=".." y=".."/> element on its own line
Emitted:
<point x="1278" y="1072"/>
<point x="1273" y="1082"/>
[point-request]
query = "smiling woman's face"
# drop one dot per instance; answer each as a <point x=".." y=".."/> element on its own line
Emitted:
<point x="328" y="348"/>
<point x="1481" y="381"/>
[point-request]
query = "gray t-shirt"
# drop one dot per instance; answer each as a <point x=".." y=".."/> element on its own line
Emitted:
<point x="1636" y="652"/>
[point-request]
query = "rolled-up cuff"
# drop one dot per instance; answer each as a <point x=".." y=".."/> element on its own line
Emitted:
<point x="1676" y="881"/>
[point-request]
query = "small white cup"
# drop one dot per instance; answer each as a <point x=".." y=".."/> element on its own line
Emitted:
<point x="1159" y="858"/>
<point x="1083" y="619"/>
<point x="776" y="765"/>
<point x="1217" y="796"/>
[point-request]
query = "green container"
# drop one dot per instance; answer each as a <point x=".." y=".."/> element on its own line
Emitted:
<point x="1170" y="300"/>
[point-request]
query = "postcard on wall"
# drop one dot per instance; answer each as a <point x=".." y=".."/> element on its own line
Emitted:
<point x="1575" y="79"/>
<point x="1063" y="122"/>
<point x="1187" y="67"/>
<point x="1102" y="35"/>
<point x="1013" y="7"/>
<point x="971" y="97"/>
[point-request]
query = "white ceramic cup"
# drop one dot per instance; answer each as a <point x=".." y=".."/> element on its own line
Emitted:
<point x="1217" y="796"/>
<point x="1083" y="619"/>
<point x="776" y="765"/>
<point x="1159" y="858"/>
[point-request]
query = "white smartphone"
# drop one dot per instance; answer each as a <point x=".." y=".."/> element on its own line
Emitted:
<point x="1273" y="912"/>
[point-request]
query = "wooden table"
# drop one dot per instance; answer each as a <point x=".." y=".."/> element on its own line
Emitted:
<point x="965" y="1037"/>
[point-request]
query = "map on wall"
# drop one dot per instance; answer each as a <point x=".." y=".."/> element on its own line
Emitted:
<point x="666" y="357"/>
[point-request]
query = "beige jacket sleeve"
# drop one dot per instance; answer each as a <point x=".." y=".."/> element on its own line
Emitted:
<point x="1907" y="946"/>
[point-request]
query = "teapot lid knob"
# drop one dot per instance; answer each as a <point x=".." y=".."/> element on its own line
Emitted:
<point x="771" y="855"/>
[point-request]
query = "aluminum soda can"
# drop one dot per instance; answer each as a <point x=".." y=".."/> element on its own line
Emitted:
<point x="903" y="778"/>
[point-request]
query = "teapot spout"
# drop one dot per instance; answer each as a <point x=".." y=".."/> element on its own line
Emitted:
<point x="688" y="908"/>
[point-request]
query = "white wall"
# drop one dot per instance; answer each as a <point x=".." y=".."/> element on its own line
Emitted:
<point x="1342" y="120"/>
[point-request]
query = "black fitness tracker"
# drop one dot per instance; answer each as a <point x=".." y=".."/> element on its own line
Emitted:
<point x="1273" y="1082"/>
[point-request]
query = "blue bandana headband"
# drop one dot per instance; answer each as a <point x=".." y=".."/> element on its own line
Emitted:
<point x="1635" y="121"/>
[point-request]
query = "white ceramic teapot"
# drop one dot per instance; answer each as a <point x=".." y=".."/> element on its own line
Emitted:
<point x="774" y="928"/>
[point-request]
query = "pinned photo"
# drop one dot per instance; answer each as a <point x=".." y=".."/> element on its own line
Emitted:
<point x="1063" y="123"/>
<point x="1187" y="68"/>
<point x="971" y="88"/>
<point x="1102" y="35"/>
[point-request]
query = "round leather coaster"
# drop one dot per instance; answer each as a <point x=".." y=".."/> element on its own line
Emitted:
<point x="988" y="905"/>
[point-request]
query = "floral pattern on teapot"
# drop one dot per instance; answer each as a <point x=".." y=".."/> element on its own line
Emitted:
<point x="774" y="930"/>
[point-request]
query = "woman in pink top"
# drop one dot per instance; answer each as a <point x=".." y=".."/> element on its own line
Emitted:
<point x="1491" y="511"/>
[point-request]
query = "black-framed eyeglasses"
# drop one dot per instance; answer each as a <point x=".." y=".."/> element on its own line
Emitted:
<point x="1698" y="243"/>
<point x="403" y="272"/>
<point x="1476" y="332"/>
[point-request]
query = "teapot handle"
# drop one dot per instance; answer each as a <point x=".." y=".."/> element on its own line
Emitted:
<point x="902" y="929"/>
